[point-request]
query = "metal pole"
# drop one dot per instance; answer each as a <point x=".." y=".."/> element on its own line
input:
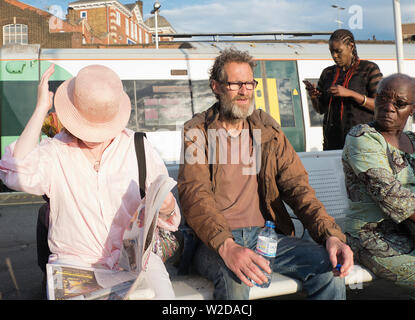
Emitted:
<point x="399" y="47"/>
<point x="398" y="34"/>
<point x="157" y="32"/>
<point x="108" y="26"/>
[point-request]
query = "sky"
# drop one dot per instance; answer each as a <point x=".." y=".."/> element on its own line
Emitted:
<point x="365" y="18"/>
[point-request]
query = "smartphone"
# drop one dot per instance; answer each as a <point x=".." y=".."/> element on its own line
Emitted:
<point x="308" y="84"/>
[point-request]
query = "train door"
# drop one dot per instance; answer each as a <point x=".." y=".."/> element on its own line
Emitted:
<point x="278" y="93"/>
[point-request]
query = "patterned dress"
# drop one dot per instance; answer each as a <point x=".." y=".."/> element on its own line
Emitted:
<point x="380" y="181"/>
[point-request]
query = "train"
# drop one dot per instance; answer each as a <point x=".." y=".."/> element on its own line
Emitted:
<point x="168" y="86"/>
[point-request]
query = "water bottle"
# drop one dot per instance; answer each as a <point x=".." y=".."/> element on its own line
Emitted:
<point x="267" y="247"/>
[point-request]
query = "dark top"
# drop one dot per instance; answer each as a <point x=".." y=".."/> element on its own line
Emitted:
<point x="345" y="113"/>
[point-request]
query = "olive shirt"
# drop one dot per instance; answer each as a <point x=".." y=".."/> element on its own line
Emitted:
<point x="337" y="123"/>
<point x="380" y="182"/>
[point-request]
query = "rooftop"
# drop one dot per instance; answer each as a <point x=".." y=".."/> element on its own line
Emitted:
<point x="161" y="21"/>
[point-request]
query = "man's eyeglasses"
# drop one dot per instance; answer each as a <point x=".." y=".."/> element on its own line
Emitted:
<point x="398" y="104"/>
<point x="237" y="85"/>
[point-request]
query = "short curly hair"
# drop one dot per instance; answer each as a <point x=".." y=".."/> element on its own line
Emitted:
<point x="217" y="72"/>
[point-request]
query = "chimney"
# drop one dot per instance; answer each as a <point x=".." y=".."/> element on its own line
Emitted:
<point x="140" y="6"/>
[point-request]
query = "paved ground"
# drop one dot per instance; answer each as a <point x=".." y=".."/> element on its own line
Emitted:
<point x="20" y="277"/>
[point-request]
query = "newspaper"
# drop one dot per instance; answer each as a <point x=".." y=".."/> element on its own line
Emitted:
<point x="82" y="283"/>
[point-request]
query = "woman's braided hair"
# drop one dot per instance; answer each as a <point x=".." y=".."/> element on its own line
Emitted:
<point x="346" y="37"/>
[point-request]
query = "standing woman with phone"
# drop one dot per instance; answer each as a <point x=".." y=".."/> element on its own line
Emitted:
<point x="345" y="91"/>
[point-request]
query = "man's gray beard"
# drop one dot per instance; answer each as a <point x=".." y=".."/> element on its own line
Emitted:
<point x="230" y="111"/>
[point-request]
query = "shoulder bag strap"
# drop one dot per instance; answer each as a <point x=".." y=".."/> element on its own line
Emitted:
<point x="141" y="161"/>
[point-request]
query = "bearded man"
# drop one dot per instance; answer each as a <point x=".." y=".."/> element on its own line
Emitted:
<point x="238" y="169"/>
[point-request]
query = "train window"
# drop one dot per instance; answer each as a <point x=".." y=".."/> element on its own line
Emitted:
<point x="286" y="104"/>
<point x="166" y="104"/>
<point x="316" y="119"/>
<point x="202" y="96"/>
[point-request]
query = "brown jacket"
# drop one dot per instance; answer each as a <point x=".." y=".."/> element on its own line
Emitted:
<point x="281" y="177"/>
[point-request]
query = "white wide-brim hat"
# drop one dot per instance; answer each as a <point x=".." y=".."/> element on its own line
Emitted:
<point x="93" y="105"/>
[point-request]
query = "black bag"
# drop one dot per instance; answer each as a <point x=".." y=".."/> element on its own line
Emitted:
<point x="42" y="228"/>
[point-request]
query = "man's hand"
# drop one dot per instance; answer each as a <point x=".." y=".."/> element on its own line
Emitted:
<point x="339" y="253"/>
<point x="244" y="262"/>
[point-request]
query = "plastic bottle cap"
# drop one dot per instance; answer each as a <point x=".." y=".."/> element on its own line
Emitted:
<point x="270" y="224"/>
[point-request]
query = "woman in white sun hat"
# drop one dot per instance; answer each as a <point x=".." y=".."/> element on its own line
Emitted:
<point x="89" y="172"/>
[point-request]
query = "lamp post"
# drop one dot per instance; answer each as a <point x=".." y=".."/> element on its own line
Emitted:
<point x="398" y="33"/>
<point x="399" y="46"/>
<point x="339" y="22"/>
<point x="156" y="8"/>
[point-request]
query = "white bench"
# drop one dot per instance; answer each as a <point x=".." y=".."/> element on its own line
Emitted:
<point x="327" y="178"/>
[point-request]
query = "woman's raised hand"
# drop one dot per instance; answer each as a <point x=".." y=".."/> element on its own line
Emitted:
<point x="29" y="138"/>
<point x="44" y="96"/>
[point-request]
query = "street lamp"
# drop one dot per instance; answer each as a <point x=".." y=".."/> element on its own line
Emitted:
<point x="339" y="22"/>
<point x="156" y="8"/>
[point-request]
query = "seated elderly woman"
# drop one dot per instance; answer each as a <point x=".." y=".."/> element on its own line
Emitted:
<point x="379" y="167"/>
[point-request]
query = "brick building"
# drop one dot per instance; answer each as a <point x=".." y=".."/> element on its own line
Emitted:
<point x="89" y="23"/>
<point x="109" y="19"/>
<point x="23" y="24"/>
